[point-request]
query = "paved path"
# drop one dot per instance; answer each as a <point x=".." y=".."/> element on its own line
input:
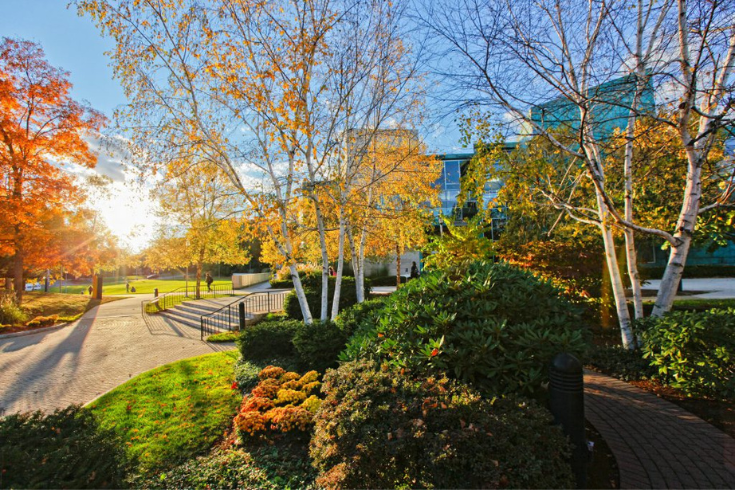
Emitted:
<point x="107" y="346"/>
<point x="656" y="443"/>
<point x="712" y="288"/>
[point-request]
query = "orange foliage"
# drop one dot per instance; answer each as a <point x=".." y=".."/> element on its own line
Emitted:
<point x="42" y="131"/>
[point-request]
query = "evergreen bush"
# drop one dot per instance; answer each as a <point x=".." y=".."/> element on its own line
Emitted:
<point x="64" y="449"/>
<point x="692" y="351"/>
<point x="380" y="428"/>
<point x="494" y="326"/>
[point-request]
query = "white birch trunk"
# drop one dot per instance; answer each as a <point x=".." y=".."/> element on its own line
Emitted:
<point x="340" y="265"/>
<point x="630" y="251"/>
<point x="684" y="231"/>
<point x="621" y="305"/>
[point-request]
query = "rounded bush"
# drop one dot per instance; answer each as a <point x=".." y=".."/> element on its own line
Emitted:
<point x="379" y="428"/>
<point x="350" y="319"/>
<point x="267" y="340"/>
<point x="64" y="449"/>
<point x="494" y="326"/>
<point x="692" y="351"/>
<point x="318" y="345"/>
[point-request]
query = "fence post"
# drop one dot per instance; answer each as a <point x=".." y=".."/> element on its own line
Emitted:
<point x="566" y="401"/>
<point x="241" y="311"/>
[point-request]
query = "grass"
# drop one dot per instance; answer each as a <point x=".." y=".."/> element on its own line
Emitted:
<point x="173" y="412"/>
<point x="145" y="286"/>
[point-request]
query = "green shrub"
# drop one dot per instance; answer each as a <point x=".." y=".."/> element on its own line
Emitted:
<point x="65" y="449"/>
<point x="268" y="340"/>
<point x="318" y="345"/>
<point x="313" y="288"/>
<point x="11" y="314"/>
<point x="232" y="468"/>
<point x="350" y="319"/>
<point x="692" y="351"/>
<point x="492" y="325"/>
<point x="625" y="364"/>
<point x="378" y="428"/>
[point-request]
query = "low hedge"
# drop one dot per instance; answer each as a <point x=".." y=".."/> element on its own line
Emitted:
<point x="380" y="428"/>
<point x="318" y="345"/>
<point x="64" y="449"/>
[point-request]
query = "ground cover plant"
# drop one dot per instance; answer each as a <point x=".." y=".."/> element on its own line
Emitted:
<point x="223" y="337"/>
<point x="65" y="449"/>
<point x="494" y="326"/>
<point x="174" y="412"/>
<point x="379" y="427"/>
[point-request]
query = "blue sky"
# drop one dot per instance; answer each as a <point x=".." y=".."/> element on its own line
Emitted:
<point x="70" y="42"/>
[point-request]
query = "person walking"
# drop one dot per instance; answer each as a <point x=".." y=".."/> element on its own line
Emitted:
<point x="90" y="290"/>
<point x="209" y="280"/>
<point x="414" y="271"/>
<point x="127" y="286"/>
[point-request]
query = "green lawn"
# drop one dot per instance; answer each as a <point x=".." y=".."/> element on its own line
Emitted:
<point x="697" y="303"/>
<point x="173" y="412"/>
<point x="143" y="286"/>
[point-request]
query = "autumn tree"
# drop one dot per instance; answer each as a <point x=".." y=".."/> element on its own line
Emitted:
<point x="201" y="221"/>
<point x="42" y="131"/>
<point x="278" y="73"/>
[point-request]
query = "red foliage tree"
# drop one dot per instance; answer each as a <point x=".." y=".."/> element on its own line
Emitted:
<point x="42" y="131"/>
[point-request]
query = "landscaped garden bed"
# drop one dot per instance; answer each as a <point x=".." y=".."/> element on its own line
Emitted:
<point x="40" y="310"/>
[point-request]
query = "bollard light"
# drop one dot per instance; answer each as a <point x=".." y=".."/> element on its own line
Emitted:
<point x="566" y="401"/>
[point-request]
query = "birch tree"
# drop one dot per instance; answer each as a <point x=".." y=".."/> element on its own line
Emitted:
<point x="570" y="55"/>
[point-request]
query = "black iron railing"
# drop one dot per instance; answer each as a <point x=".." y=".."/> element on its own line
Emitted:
<point x="178" y="296"/>
<point x="235" y="316"/>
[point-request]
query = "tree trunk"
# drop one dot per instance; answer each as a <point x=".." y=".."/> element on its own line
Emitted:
<point x="200" y="266"/>
<point x="398" y="266"/>
<point x="299" y="288"/>
<point x="340" y="265"/>
<point x="630" y="251"/>
<point x="621" y="305"/>
<point x="684" y="230"/>
<point x="18" y="281"/>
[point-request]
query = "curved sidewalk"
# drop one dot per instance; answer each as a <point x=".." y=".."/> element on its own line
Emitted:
<point x="109" y="345"/>
<point x="656" y="443"/>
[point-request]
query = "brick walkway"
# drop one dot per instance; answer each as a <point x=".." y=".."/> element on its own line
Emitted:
<point x="75" y="364"/>
<point x="656" y="443"/>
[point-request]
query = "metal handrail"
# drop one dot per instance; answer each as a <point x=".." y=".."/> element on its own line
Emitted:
<point x="232" y="316"/>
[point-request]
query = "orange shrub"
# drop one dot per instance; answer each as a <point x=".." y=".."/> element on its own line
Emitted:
<point x="282" y="402"/>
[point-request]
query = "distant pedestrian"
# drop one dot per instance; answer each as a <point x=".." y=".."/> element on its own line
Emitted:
<point x="331" y="272"/>
<point x="127" y="286"/>
<point x="90" y="290"/>
<point x="209" y="280"/>
<point x="414" y="271"/>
